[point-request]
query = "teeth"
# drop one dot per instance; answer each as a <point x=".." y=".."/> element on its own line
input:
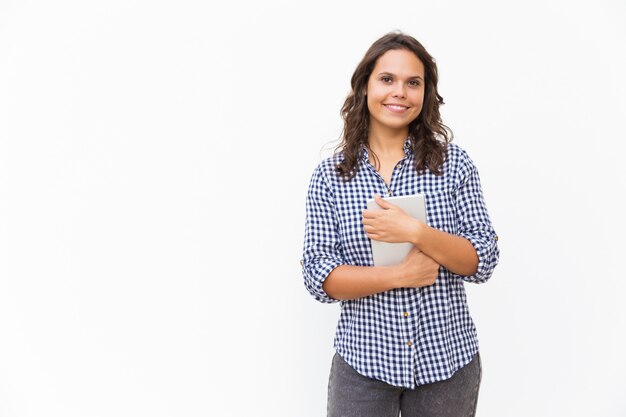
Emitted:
<point x="396" y="107"/>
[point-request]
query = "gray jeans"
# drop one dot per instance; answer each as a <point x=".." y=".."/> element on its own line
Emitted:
<point x="351" y="394"/>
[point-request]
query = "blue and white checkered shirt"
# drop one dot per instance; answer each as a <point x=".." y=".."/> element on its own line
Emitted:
<point x="404" y="336"/>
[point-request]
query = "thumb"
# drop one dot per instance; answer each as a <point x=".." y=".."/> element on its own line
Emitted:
<point x="382" y="203"/>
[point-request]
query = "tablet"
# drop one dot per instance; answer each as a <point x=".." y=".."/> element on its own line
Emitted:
<point x="385" y="253"/>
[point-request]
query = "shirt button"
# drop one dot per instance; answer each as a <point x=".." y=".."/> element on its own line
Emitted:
<point x="495" y="238"/>
<point x="406" y="314"/>
<point x="399" y="166"/>
<point x="409" y="343"/>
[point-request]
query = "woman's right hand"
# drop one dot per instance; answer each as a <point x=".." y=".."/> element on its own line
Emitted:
<point x="418" y="270"/>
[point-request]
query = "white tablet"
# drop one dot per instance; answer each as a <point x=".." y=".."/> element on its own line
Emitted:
<point x="385" y="253"/>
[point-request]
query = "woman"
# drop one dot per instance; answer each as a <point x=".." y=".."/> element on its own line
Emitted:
<point x="405" y="341"/>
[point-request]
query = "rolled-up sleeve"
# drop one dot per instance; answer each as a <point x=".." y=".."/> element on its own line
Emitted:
<point x="474" y="223"/>
<point x="322" y="248"/>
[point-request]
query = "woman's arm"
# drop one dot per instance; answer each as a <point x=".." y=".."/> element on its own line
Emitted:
<point x="455" y="253"/>
<point x="393" y="224"/>
<point x="471" y="253"/>
<point x="347" y="282"/>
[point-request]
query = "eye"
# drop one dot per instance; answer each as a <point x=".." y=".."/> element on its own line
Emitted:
<point x="385" y="79"/>
<point x="414" y="83"/>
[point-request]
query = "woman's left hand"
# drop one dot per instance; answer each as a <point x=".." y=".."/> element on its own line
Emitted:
<point x="391" y="224"/>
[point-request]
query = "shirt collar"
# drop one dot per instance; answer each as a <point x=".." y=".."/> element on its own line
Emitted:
<point x="408" y="149"/>
<point x="364" y="153"/>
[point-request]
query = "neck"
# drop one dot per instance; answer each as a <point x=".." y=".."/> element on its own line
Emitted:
<point x="387" y="141"/>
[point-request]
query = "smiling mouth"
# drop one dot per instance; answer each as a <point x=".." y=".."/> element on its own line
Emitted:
<point x="396" y="108"/>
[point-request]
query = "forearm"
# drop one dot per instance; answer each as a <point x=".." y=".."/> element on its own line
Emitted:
<point x="347" y="282"/>
<point x="453" y="252"/>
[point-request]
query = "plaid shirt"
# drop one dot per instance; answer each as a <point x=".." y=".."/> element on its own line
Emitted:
<point x="404" y="336"/>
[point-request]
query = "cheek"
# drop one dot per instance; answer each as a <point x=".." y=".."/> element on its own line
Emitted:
<point x="375" y="94"/>
<point x="419" y="103"/>
<point x="418" y="99"/>
<point x="371" y="104"/>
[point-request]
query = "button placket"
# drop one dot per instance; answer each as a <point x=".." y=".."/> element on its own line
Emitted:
<point x="394" y="174"/>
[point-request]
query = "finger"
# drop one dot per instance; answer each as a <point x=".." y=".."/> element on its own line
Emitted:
<point x="370" y="214"/>
<point x="382" y="203"/>
<point x="368" y="222"/>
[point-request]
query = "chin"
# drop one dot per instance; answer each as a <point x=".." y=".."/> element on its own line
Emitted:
<point x="397" y="125"/>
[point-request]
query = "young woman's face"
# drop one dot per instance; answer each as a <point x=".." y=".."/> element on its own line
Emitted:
<point x="395" y="90"/>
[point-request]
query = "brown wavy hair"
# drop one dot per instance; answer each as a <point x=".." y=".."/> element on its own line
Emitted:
<point x="428" y="135"/>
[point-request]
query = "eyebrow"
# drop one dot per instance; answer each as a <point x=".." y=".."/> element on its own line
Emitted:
<point x="388" y="73"/>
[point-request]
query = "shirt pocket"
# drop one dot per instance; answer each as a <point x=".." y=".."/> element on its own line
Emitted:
<point x="441" y="210"/>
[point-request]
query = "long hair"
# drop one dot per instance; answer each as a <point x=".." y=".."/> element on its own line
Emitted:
<point x="427" y="134"/>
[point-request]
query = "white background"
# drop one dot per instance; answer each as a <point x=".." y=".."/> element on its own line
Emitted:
<point x="154" y="160"/>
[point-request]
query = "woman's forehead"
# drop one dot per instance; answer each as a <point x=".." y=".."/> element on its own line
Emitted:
<point x="399" y="62"/>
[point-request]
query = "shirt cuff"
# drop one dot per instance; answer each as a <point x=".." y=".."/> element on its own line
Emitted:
<point x="315" y="273"/>
<point x="486" y="246"/>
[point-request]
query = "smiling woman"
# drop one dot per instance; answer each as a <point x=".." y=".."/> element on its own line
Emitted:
<point x="405" y="341"/>
<point x="415" y="78"/>
<point x="394" y="99"/>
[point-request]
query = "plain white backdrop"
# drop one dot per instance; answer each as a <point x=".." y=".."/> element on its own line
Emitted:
<point x="154" y="161"/>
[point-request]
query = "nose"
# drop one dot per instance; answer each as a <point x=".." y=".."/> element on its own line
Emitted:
<point x="399" y="90"/>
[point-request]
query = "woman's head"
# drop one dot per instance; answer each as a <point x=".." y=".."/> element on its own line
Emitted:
<point x="395" y="92"/>
<point x="425" y="129"/>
